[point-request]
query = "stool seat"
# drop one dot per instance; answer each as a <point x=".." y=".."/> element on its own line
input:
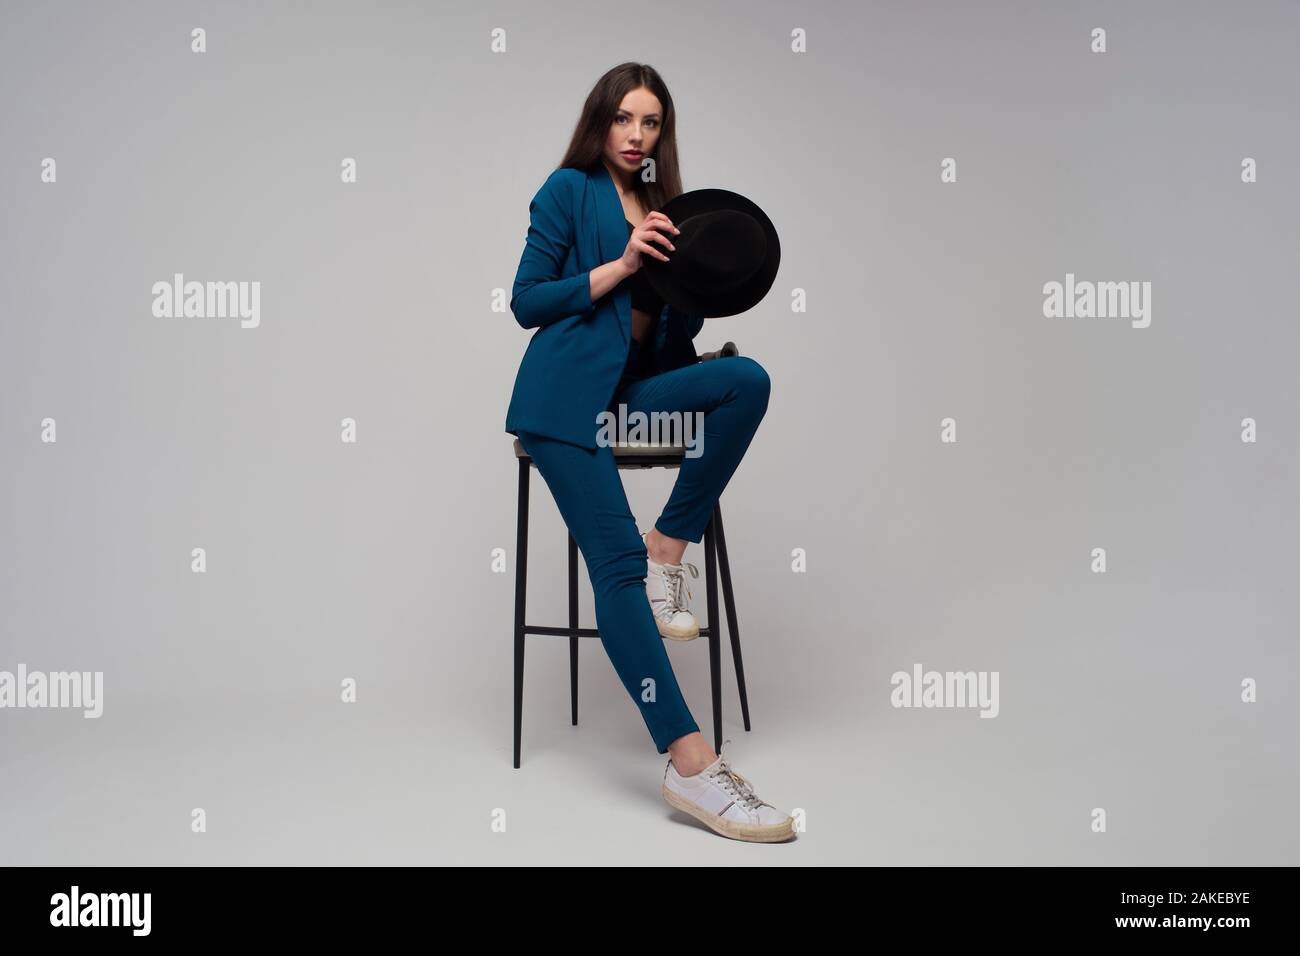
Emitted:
<point x="650" y="454"/>
<point x="634" y="454"/>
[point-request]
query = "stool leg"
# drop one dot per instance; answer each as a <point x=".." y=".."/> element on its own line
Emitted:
<point x="715" y="652"/>
<point x="573" y="627"/>
<point x="729" y="598"/>
<point x="521" y="582"/>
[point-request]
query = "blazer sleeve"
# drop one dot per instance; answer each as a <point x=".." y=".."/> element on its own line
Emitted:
<point x="540" y="296"/>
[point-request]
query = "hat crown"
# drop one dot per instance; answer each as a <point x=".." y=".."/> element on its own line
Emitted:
<point x="719" y="250"/>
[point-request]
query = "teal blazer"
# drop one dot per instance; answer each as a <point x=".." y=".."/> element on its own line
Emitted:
<point x="576" y="357"/>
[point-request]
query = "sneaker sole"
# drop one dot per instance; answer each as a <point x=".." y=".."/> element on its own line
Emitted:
<point x="676" y="635"/>
<point x="750" y="832"/>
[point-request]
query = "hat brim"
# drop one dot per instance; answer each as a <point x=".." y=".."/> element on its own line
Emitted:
<point x="665" y="282"/>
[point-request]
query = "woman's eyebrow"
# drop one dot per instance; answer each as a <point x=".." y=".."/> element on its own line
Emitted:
<point x="629" y="112"/>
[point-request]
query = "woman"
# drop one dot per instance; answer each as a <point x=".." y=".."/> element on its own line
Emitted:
<point x="605" y="339"/>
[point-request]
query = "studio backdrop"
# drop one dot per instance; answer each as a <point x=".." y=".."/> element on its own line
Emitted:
<point x="1014" y="550"/>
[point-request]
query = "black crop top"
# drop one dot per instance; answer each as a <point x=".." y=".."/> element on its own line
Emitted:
<point x="643" y="296"/>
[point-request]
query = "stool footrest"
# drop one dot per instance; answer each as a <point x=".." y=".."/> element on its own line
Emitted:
<point x="705" y="631"/>
<point x="561" y="631"/>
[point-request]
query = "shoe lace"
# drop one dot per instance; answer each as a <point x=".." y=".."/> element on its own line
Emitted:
<point x="675" y="577"/>
<point x="734" y="782"/>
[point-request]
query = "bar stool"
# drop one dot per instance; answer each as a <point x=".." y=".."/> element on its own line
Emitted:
<point x="628" y="455"/>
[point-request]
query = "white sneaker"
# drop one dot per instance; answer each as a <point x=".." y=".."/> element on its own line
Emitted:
<point x="725" y="801"/>
<point x="669" y="594"/>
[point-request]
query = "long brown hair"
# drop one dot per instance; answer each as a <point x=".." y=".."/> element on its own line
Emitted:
<point x="587" y="146"/>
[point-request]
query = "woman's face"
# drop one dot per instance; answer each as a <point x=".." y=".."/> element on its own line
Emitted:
<point x="634" y="132"/>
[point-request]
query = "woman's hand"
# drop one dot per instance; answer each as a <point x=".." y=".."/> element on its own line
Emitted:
<point x="638" y="244"/>
<point x="606" y="276"/>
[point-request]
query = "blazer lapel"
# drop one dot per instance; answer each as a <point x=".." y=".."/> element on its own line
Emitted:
<point x="611" y="240"/>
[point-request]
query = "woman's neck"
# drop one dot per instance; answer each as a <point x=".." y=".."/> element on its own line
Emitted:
<point x="622" y="180"/>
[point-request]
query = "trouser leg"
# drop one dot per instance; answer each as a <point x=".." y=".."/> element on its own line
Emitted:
<point x="732" y="392"/>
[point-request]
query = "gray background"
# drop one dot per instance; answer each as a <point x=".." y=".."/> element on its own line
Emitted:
<point x="372" y="560"/>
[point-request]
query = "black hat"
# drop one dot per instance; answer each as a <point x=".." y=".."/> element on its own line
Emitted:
<point x="726" y="256"/>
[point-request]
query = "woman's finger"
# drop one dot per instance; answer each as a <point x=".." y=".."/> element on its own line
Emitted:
<point x="658" y="236"/>
<point x="660" y="217"/>
<point x="645" y="248"/>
